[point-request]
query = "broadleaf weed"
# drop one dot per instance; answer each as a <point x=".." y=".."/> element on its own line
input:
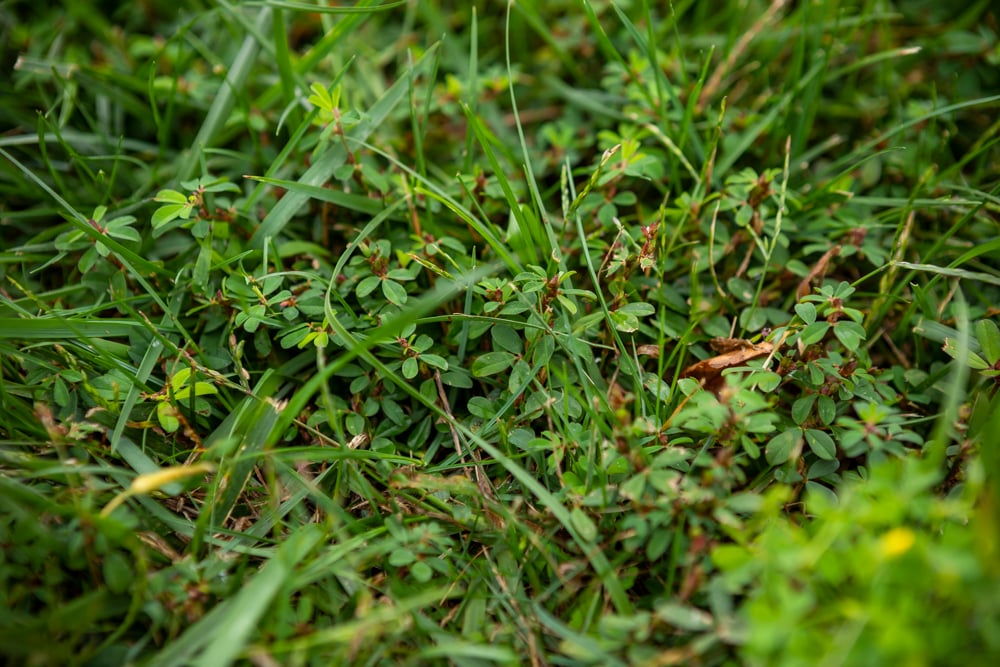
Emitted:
<point x="457" y="305"/>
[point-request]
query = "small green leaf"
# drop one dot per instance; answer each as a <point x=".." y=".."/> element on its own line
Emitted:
<point x="70" y="240"/>
<point x="400" y="274"/>
<point x="202" y="266"/>
<point x="741" y="289"/>
<point x="320" y="97"/>
<point x="180" y="378"/>
<point x="822" y="468"/>
<point x="422" y="572"/>
<point x="806" y="312"/>
<point x="435" y="361"/>
<point x="89" y="259"/>
<point x="814" y="333"/>
<point x="120" y="228"/>
<point x="481" y="407"/>
<point x="780" y="447"/>
<point x="118" y="572"/>
<point x="520" y="376"/>
<point x="802" y="407"/>
<point x="976" y="362"/>
<point x="170" y="197"/>
<point x="753" y="318"/>
<point x="544" y="348"/>
<point x="826" y="409"/>
<point x="851" y="334"/>
<point x="821" y="444"/>
<point x="767" y="381"/>
<point x="567" y="304"/>
<point x="457" y="378"/>
<point x="355" y="423"/>
<point x="393" y="411"/>
<point x="750" y="447"/>
<point x="402" y="556"/>
<point x="423" y="343"/>
<point x="200" y="389"/>
<point x="166" y="214"/>
<point x="506" y="338"/>
<point x="492" y="363"/>
<point x="220" y="185"/>
<point x="656" y="386"/>
<point x="394" y="292"/>
<point x="367" y="286"/>
<point x="166" y="414"/>
<point x="60" y="392"/>
<point x="684" y="617"/>
<point x="624" y="322"/>
<point x="639" y="309"/>
<point x="816" y="489"/>
<point x="988" y="335"/>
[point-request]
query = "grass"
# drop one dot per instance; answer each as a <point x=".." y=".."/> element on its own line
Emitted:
<point x="574" y="333"/>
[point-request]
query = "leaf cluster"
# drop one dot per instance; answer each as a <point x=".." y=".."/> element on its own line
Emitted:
<point x="379" y="348"/>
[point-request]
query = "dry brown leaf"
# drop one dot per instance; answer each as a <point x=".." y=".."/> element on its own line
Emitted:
<point x="709" y="371"/>
<point x="722" y="345"/>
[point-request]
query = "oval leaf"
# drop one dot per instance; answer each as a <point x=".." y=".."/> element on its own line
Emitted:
<point x="821" y="444"/>
<point x="394" y="292"/>
<point x="492" y="363"/>
<point x="780" y="448"/>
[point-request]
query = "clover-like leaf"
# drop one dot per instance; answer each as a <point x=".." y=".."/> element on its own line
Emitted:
<point x="492" y="363"/>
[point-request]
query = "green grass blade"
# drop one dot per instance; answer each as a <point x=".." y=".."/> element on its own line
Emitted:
<point x="321" y="171"/>
<point x="223" y="634"/>
<point x="218" y="114"/>
<point x="58" y="329"/>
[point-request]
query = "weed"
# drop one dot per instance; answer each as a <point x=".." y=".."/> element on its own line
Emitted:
<point x="592" y="333"/>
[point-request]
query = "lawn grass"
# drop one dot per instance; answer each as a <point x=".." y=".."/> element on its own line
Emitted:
<point x="549" y="333"/>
